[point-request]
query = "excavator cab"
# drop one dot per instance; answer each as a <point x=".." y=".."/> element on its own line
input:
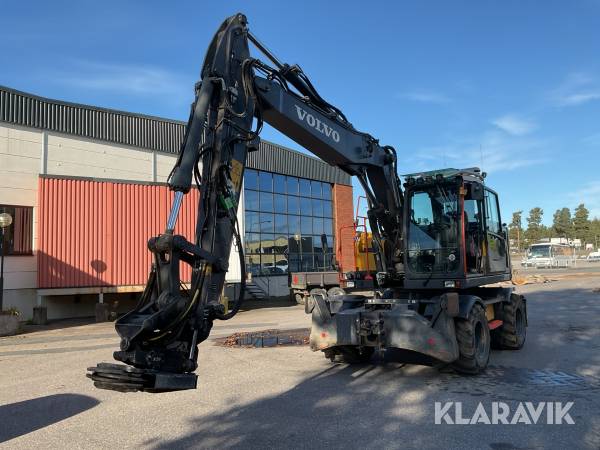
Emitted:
<point x="454" y="235"/>
<point x="454" y="245"/>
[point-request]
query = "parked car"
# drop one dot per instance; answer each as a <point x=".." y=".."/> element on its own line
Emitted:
<point x="594" y="256"/>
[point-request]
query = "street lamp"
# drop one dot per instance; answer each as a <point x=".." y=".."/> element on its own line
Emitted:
<point x="5" y="221"/>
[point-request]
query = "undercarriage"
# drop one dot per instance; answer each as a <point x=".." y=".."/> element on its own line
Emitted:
<point x="415" y="321"/>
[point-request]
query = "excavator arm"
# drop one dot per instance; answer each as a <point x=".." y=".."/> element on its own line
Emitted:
<point x="235" y="95"/>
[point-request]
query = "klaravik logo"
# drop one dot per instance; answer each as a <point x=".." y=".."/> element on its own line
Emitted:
<point x="315" y="123"/>
<point x="528" y="413"/>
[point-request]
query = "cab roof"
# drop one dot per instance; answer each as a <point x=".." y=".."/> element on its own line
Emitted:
<point x="472" y="172"/>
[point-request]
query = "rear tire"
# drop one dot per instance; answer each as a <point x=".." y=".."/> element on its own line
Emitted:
<point x="473" y="337"/>
<point x="513" y="332"/>
<point x="349" y="354"/>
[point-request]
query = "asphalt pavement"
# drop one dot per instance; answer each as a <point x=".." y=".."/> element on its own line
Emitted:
<point x="290" y="397"/>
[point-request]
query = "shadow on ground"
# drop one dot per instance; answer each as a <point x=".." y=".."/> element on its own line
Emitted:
<point x="17" y="419"/>
<point x="389" y="404"/>
<point x="58" y="324"/>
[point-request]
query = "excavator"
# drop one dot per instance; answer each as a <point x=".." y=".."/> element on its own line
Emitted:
<point x="441" y="248"/>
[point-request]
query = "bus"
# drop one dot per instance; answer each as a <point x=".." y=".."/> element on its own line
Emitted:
<point x="547" y="255"/>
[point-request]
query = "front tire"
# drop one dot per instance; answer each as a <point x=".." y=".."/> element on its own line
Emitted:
<point x="473" y="337"/>
<point x="513" y="332"/>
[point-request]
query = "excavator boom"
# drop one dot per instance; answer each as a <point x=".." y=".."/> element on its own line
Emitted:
<point x="159" y="337"/>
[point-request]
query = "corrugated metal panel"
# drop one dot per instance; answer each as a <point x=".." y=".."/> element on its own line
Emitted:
<point x="94" y="233"/>
<point x="142" y="131"/>
<point x="88" y="121"/>
<point x="274" y="158"/>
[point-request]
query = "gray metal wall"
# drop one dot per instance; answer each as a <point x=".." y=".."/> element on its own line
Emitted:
<point x="142" y="131"/>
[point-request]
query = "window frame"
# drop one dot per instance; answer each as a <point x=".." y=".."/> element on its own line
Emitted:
<point x="487" y="195"/>
<point x="8" y="236"/>
<point x="286" y="191"/>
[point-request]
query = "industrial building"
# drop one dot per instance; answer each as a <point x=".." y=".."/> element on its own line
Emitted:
<point x="86" y="187"/>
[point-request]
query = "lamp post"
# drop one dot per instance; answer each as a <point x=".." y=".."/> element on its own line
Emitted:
<point x="5" y="221"/>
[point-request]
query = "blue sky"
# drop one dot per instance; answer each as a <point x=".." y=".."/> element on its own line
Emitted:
<point x="512" y="86"/>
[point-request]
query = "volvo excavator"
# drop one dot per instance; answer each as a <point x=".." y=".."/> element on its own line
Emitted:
<point x="438" y="238"/>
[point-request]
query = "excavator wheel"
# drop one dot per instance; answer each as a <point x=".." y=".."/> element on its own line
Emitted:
<point x="513" y="332"/>
<point x="473" y="336"/>
<point x="349" y="354"/>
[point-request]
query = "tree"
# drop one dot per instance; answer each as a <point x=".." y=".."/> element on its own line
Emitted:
<point x="534" y="225"/>
<point x="595" y="232"/>
<point x="515" y="229"/>
<point x="562" y="225"/>
<point x="581" y="223"/>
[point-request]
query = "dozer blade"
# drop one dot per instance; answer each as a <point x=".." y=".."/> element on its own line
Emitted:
<point x="123" y="378"/>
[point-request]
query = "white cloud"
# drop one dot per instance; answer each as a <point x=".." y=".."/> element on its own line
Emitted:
<point x="128" y="79"/>
<point x="424" y="96"/>
<point x="492" y="151"/>
<point x="514" y="125"/>
<point x="577" y="89"/>
<point x="590" y="196"/>
<point x="578" y="99"/>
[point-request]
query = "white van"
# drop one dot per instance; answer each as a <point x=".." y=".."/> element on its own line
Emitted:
<point x="548" y="256"/>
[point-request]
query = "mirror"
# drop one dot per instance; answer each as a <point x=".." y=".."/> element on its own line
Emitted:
<point x="476" y="191"/>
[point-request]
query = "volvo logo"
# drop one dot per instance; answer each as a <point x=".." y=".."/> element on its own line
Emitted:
<point x="315" y="123"/>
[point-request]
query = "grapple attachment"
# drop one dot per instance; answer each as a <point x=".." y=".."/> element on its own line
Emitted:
<point x="122" y="378"/>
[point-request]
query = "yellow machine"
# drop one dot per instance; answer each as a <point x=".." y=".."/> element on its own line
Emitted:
<point x="364" y="254"/>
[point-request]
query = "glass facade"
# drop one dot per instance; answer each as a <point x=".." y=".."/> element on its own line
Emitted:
<point x="289" y="224"/>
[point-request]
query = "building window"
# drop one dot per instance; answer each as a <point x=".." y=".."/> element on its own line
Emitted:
<point x="287" y="221"/>
<point x="18" y="237"/>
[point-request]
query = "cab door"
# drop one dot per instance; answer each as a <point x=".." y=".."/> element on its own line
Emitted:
<point x="495" y="238"/>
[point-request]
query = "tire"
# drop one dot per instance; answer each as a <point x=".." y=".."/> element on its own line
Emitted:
<point x="336" y="290"/>
<point x="513" y="332"/>
<point x="300" y="299"/>
<point x="473" y="337"/>
<point x="318" y="291"/>
<point x="349" y="354"/>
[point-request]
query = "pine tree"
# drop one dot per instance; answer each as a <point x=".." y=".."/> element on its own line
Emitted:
<point x="581" y="223"/>
<point x="562" y="225"/>
<point x="515" y="229"/>
<point x="534" y="225"/>
<point x="595" y="233"/>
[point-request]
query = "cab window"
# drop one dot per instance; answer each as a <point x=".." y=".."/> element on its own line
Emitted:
<point x="492" y="214"/>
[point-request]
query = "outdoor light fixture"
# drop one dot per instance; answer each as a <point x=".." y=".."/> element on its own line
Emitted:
<point x="5" y="221"/>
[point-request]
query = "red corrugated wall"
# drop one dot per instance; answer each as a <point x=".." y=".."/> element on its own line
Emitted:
<point x="94" y="233"/>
